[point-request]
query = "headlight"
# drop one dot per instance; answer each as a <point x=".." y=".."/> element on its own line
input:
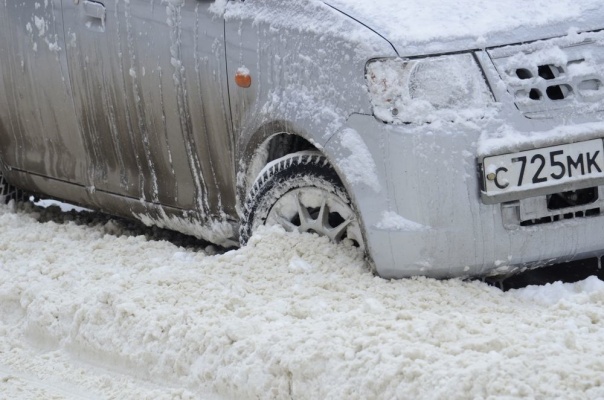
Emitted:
<point x="424" y="90"/>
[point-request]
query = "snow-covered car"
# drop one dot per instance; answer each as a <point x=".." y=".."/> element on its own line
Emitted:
<point x="444" y="138"/>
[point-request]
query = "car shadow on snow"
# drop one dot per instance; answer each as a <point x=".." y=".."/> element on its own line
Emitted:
<point x="61" y="213"/>
<point x="568" y="272"/>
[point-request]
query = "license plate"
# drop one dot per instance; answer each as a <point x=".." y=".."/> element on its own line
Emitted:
<point x="549" y="166"/>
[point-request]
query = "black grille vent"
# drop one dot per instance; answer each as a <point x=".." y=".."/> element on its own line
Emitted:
<point x="546" y="209"/>
<point x="592" y="212"/>
<point x="550" y="76"/>
<point x="534" y="84"/>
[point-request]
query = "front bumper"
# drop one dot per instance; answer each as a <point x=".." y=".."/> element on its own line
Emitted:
<point x="426" y="216"/>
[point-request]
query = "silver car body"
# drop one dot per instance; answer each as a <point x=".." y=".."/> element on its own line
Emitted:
<point x="131" y="107"/>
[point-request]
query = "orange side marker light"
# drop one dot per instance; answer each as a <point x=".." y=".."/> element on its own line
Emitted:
<point x="243" y="78"/>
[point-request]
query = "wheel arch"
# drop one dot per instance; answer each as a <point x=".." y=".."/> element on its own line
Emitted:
<point x="270" y="141"/>
<point x="278" y="139"/>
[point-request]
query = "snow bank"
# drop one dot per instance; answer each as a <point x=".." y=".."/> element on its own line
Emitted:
<point x="289" y="316"/>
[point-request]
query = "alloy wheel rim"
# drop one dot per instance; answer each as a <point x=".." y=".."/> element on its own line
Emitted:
<point x="317" y="211"/>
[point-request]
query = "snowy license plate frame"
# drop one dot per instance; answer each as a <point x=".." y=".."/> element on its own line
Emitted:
<point x="544" y="170"/>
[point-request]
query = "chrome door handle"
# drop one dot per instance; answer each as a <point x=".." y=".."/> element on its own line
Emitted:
<point x="94" y="9"/>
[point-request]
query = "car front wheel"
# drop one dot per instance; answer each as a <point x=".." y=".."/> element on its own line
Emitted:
<point x="301" y="192"/>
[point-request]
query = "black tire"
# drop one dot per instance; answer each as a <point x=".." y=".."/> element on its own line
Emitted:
<point x="8" y="192"/>
<point x="300" y="173"/>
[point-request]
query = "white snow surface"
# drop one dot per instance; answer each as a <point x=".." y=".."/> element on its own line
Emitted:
<point x="391" y="221"/>
<point x="304" y="16"/>
<point x="420" y="21"/>
<point x="358" y="165"/>
<point x="86" y="314"/>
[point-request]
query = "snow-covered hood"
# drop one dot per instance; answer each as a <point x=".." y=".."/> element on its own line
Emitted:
<point x="416" y="27"/>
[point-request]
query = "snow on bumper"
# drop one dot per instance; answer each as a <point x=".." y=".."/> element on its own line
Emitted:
<point x="427" y="218"/>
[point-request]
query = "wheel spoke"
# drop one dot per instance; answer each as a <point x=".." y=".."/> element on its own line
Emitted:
<point x="285" y="223"/>
<point x="323" y="217"/>
<point x="305" y="218"/>
<point x="336" y="233"/>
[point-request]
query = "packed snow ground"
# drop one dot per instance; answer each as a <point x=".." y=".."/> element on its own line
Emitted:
<point x="92" y="309"/>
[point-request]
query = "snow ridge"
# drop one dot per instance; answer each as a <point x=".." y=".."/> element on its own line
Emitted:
<point x="288" y="316"/>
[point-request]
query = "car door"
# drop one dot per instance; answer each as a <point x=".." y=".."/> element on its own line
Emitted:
<point x="150" y="92"/>
<point x="39" y="131"/>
